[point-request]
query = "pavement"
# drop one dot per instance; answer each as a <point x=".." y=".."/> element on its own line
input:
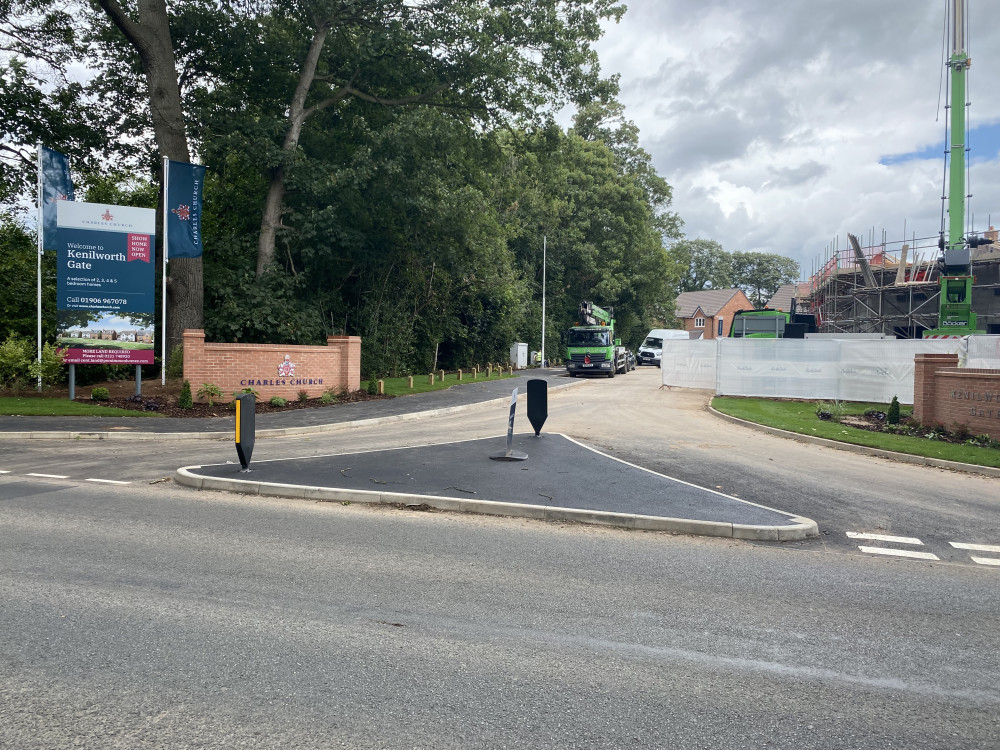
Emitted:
<point x="561" y="480"/>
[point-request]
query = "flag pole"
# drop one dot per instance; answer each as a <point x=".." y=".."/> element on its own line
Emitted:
<point x="40" y="243"/>
<point x="163" y="290"/>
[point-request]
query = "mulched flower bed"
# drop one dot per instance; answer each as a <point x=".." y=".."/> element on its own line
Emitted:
<point x="875" y="422"/>
<point x="167" y="406"/>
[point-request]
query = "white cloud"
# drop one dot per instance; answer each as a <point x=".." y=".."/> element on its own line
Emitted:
<point x="770" y="119"/>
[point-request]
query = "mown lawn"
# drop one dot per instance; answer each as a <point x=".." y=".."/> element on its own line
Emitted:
<point x="398" y="386"/>
<point x="800" y="417"/>
<point x="61" y="407"/>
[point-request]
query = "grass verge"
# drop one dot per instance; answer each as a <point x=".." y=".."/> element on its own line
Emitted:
<point x="15" y="406"/>
<point x="800" y="417"/>
<point x="398" y="386"/>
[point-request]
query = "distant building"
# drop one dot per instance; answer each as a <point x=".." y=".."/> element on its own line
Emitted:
<point x="709" y="314"/>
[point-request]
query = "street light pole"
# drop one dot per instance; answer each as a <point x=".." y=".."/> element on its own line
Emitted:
<point x="542" y="362"/>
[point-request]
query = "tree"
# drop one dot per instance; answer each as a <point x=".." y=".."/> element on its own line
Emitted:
<point x="493" y="60"/>
<point x="147" y="31"/>
<point x="702" y="264"/>
<point x="760" y="275"/>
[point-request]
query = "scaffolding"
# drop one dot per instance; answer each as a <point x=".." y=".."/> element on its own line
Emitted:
<point x="893" y="287"/>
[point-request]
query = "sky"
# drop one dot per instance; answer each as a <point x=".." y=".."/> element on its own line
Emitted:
<point x="782" y="125"/>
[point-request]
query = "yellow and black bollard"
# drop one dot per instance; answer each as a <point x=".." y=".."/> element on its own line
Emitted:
<point x="245" y="430"/>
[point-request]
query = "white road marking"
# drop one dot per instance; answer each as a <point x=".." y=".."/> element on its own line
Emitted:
<point x="976" y="547"/>
<point x="108" y="481"/>
<point x="986" y="561"/>
<point x="899" y="553"/>
<point x="49" y="476"/>
<point x="4" y="472"/>
<point x="883" y="538"/>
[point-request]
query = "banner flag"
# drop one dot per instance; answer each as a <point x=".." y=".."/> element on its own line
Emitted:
<point x="56" y="186"/>
<point x="184" y="199"/>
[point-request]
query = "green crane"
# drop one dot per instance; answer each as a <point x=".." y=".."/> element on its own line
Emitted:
<point x="955" y="316"/>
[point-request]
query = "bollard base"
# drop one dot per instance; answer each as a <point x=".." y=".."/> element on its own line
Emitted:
<point x="512" y="456"/>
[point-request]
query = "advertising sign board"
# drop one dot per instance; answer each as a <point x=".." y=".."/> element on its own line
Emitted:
<point x="105" y="283"/>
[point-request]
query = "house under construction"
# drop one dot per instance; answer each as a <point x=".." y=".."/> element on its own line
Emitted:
<point x="894" y="288"/>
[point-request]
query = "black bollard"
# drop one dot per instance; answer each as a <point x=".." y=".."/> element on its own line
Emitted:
<point x="538" y="403"/>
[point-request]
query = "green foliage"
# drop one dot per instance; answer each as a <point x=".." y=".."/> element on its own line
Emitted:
<point x="892" y="416"/>
<point x="50" y="368"/>
<point x="303" y="396"/>
<point x="16" y="355"/>
<point x="185" y="401"/>
<point x="327" y="398"/>
<point x="702" y="264"/>
<point x="19" y="271"/>
<point x="248" y="391"/>
<point x="175" y="367"/>
<point x="100" y="394"/>
<point x="210" y="392"/>
<point x="372" y="385"/>
<point x="830" y="412"/>
<point x="278" y="401"/>
<point x="760" y="275"/>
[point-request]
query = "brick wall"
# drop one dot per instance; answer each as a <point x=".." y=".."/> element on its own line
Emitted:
<point x="728" y="312"/>
<point x="949" y="395"/>
<point x="233" y="367"/>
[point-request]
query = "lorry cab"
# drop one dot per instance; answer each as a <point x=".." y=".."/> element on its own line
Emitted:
<point x="651" y="349"/>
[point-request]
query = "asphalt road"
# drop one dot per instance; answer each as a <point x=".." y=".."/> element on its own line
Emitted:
<point x="147" y="615"/>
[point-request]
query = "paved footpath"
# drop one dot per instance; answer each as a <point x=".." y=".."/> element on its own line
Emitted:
<point x="562" y="479"/>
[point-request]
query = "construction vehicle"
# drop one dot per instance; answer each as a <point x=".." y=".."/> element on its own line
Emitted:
<point x="955" y="316"/>
<point x="767" y="323"/>
<point x="592" y="348"/>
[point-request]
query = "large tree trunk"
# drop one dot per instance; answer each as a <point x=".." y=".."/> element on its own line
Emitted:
<point x="150" y="38"/>
<point x="297" y="114"/>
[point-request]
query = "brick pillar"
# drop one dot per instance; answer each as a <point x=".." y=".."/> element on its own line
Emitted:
<point x="350" y="358"/>
<point x="924" y="368"/>
<point x="194" y="356"/>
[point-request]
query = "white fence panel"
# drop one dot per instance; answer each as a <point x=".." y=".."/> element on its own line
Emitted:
<point x="689" y="364"/>
<point x="846" y="370"/>
<point x="983" y="352"/>
<point x="878" y="370"/>
<point x="778" y="368"/>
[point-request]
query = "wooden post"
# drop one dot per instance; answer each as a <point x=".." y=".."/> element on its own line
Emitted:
<point x="442" y="376"/>
<point x="381" y="387"/>
<point x="430" y="379"/>
<point x="459" y="374"/>
<point x="409" y="382"/>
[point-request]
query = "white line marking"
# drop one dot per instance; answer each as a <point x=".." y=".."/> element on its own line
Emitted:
<point x="986" y="561"/>
<point x="976" y="547"/>
<point x="49" y="476"/>
<point x="4" y="472"/>
<point x="108" y="481"/>
<point x="899" y="553"/>
<point x="883" y="538"/>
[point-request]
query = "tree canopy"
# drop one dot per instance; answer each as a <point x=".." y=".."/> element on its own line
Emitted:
<point x="379" y="168"/>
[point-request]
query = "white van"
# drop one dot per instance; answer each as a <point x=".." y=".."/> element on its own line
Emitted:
<point x="651" y="349"/>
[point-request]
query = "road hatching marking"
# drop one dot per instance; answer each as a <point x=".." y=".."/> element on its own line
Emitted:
<point x="899" y="552"/>
<point x="976" y="547"/>
<point x="883" y="538"/>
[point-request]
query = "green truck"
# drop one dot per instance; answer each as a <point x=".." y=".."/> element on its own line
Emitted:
<point x="592" y="349"/>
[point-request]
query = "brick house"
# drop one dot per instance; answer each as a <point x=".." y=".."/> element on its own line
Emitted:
<point x="709" y="314"/>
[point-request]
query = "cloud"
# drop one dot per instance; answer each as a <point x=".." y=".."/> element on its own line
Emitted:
<point x="782" y="126"/>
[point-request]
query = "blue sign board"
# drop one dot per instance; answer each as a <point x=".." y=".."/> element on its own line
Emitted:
<point x="105" y="283"/>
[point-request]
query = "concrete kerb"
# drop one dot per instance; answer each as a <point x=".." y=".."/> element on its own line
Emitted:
<point x="800" y="529"/>
<point x="861" y="449"/>
<point x="128" y="434"/>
